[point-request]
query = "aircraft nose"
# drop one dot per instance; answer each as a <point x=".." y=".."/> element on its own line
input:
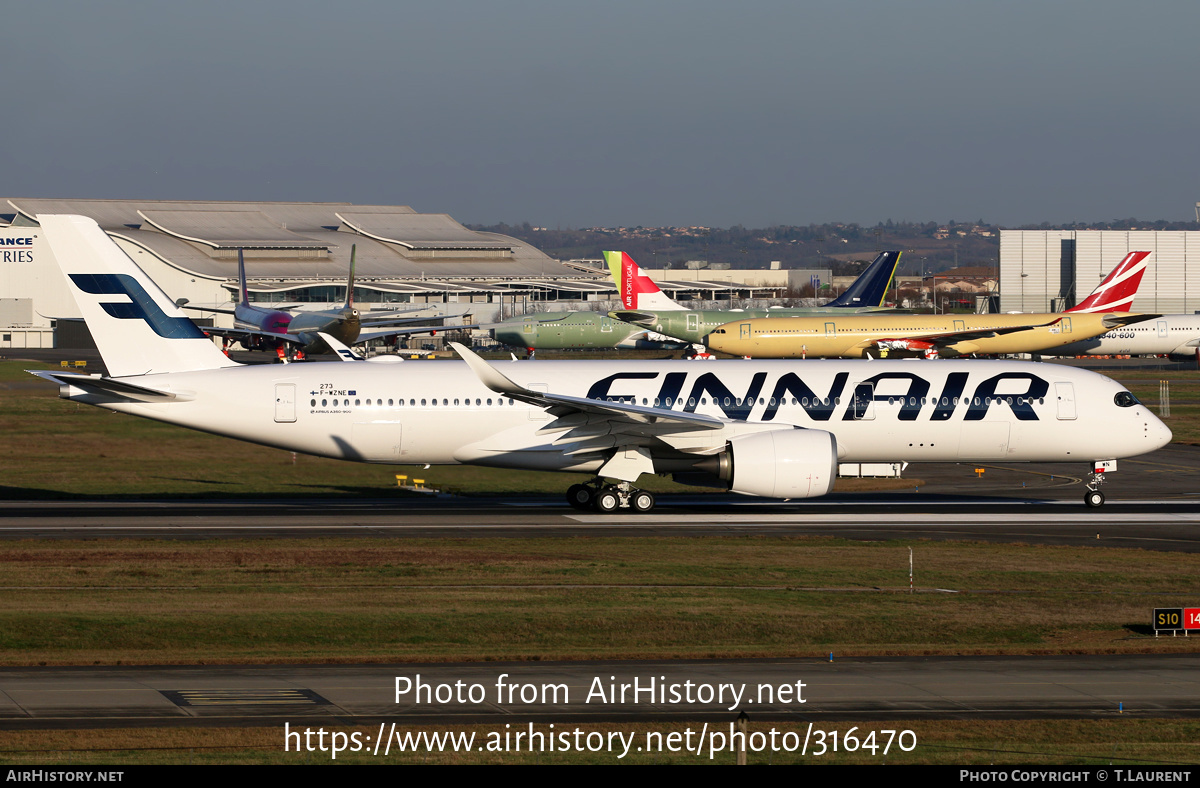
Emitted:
<point x="1157" y="433"/>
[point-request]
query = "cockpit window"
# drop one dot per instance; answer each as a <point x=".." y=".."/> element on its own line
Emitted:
<point x="1125" y="400"/>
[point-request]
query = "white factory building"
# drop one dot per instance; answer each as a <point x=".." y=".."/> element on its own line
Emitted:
<point x="1048" y="270"/>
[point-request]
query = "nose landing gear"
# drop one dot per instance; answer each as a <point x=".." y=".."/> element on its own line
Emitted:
<point x="1094" y="497"/>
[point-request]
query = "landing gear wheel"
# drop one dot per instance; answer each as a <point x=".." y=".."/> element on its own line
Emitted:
<point x="642" y="501"/>
<point x="580" y="496"/>
<point x="1093" y="498"/>
<point x="607" y="501"/>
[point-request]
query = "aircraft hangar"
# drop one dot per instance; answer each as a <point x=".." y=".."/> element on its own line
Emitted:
<point x="298" y="253"/>
<point x="1049" y="270"/>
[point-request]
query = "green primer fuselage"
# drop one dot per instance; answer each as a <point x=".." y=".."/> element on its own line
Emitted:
<point x="566" y="330"/>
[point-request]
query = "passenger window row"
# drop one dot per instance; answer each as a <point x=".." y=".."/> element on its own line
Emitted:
<point x="413" y="403"/>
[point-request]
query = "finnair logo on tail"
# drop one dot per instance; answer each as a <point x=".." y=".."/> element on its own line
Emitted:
<point x="141" y="306"/>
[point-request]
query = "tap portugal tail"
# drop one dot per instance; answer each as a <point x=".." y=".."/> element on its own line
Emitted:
<point x="636" y="290"/>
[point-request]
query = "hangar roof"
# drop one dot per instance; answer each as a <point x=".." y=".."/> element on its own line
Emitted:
<point x="310" y="241"/>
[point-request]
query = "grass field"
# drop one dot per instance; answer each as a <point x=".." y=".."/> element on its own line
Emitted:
<point x="334" y="600"/>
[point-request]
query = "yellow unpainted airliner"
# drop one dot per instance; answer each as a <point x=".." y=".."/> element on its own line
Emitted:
<point x="930" y="336"/>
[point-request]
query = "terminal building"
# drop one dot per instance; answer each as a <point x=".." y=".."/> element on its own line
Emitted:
<point x="295" y="253"/>
<point x="299" y="254"/>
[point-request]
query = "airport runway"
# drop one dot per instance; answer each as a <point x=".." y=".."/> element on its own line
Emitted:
<point x="879" y="689"/>
<point x="1145" y="525"/>
<point x="1154" y="503"/>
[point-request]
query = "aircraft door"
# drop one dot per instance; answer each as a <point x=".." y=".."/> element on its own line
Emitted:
<point x="960" y="325"/>
<point x="744" y="333"/>
<point x="1066" y="326"/>
<point x="862" y="406"/>
<point x="693" y="323"/>
<point x="285" y="402"/>
<point x="1066" y="400"/>
<point x="1162" y="328"/>
<point x="830" y="329"/>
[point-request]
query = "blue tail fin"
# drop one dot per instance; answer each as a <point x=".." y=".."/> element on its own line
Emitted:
<point x="871" y="287"/>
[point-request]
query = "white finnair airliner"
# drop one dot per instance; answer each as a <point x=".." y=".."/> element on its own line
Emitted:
<point x="769" y="428"/>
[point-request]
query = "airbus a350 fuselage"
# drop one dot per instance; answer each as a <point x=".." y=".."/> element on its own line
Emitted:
<point x="879" y="411"/>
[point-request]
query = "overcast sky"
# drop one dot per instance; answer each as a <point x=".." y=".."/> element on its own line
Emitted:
<point x="635" y="113"/>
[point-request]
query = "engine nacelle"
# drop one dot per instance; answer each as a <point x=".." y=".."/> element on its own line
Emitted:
<point x="783" y="463"/>
<point x="1189" y="354"/>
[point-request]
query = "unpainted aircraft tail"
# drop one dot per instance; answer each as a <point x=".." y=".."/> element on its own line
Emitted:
<point x="350" y="281"/>
<point x="138" y="330"/>
<point x="1116" y="292"/>
<point x="870" y="288"/>
<point x="636" y="290"/>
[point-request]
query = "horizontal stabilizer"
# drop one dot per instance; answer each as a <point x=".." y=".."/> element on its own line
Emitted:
<point x="108" y="386"/>
<point x="1116" y="321"/>
<point x="637" y="318"/>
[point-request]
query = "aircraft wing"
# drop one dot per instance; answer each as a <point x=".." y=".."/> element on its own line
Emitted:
<point x="367" y="336"/>
<point x="402" y="321"/>
<point x="207" y="309"/>
<point x="242" y="333"/>
<point x="948" y="338"/>
<point x="395" y="312"/>
<point x="631" y="421"/>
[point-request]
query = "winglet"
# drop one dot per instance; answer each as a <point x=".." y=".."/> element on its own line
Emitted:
<point x="487" y="374"/>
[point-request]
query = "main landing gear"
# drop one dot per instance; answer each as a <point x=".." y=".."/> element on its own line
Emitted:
<point x="1093" y="497"/>
<point x="606" y="498"/>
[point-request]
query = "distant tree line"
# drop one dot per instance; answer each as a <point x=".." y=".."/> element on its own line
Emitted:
<point x="927" y="246"/>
